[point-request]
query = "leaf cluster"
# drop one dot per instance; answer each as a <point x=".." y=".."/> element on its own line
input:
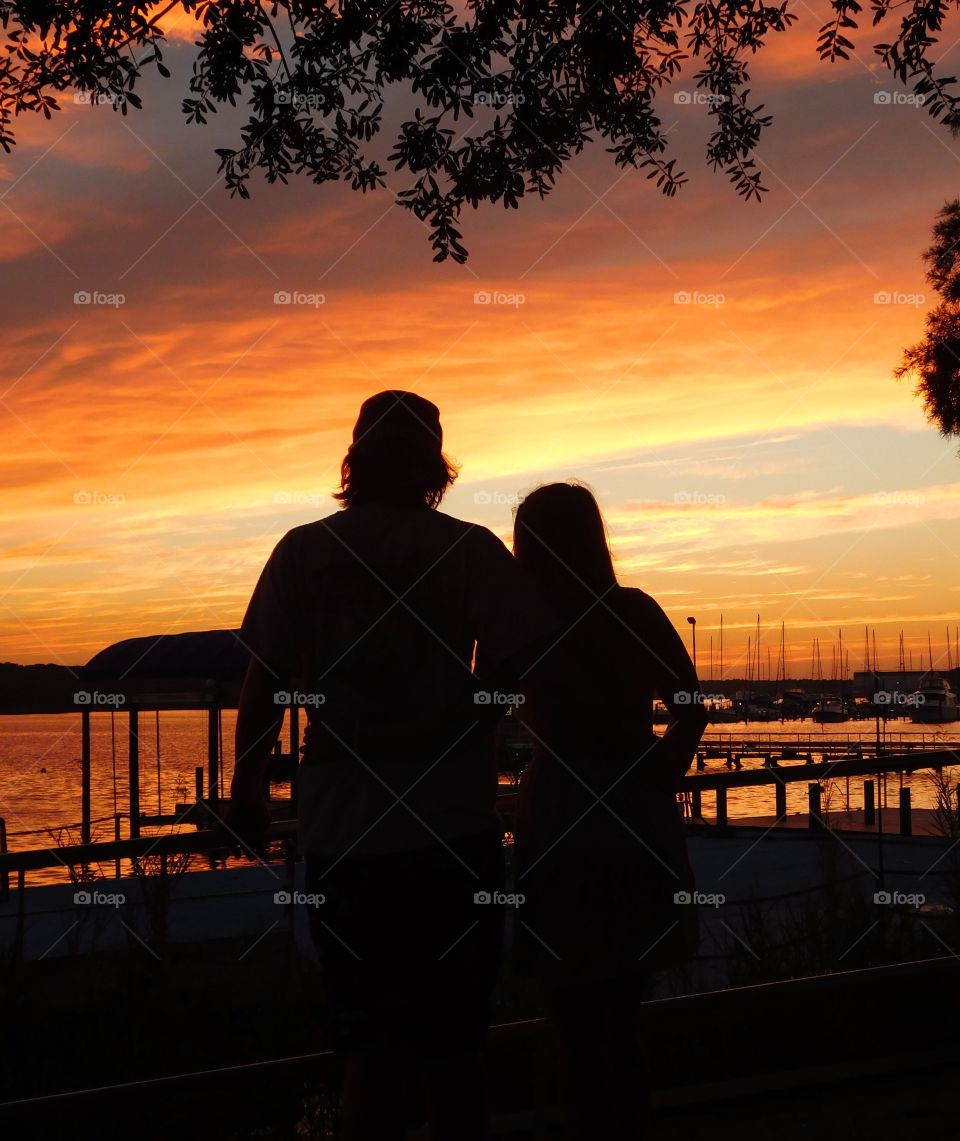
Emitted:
<point x="497" y="95"/>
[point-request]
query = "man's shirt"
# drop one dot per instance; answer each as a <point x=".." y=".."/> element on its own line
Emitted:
<point x="376" y="615"/>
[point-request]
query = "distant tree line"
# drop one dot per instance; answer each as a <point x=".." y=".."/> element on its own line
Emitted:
<point x="37" y="688"/>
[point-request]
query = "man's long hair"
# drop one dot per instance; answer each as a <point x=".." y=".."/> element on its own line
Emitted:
<point x="394" y="468"/>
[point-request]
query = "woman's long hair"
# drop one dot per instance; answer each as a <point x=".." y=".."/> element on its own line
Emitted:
<point x="560" y="539"/>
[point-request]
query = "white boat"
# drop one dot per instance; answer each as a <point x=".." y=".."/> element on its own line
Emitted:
<point x="934" y="703"/>
<point x="829" y="710"/>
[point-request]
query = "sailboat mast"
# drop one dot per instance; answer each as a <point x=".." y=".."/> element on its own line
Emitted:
<point x="757" y="648"/>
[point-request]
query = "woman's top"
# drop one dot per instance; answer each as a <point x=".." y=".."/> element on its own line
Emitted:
<point x="600" y="852"/>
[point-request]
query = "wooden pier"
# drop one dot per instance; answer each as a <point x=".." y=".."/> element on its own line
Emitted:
<point x="774" y="749"/>
<point x="874" y="769"/>
<point x="725" y="761"/>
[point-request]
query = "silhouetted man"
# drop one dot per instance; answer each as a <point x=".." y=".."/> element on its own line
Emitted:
<point x="375" y="618"/>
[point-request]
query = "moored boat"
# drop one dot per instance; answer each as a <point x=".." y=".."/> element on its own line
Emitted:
<point x="934" y="703"/>
<point x="829" y="710"/>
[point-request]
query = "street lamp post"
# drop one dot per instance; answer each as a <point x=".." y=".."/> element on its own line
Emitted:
<point x="693" y="623"/>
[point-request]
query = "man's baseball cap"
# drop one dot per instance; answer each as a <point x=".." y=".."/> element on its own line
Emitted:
<point x="397" y="413"/>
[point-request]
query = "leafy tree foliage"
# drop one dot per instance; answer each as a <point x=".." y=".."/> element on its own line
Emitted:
<point x="498" y="94"/>
<point x="935" y="361"/>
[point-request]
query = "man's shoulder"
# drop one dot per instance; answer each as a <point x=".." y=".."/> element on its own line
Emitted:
<point x="472" y="532"/>
<point x="333" y="530"/>
<point x="450" y="528"/>
<point x="317" y="531"/>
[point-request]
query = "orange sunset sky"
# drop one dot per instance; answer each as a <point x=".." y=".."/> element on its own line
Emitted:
<point x="751" y="454"/>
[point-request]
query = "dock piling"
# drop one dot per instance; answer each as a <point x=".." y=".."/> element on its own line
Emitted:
<point x="869" y="809"/>
<point x="815" y="816"/>
<point x="85" y="775"/>
<point x="213" y="755"/>
<point x="294" y="757"/>
<point x="721" y="807"/>
<point x="906" y="822"/>
<point x="133" y="768"/>
<point x="21" y="916"/>
<point x="4" y="875"/>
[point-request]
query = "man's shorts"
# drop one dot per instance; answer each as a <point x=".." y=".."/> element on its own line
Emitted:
<point x="410" y="944"/>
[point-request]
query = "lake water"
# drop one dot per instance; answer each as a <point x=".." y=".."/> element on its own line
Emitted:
<point x="40" y="769"/>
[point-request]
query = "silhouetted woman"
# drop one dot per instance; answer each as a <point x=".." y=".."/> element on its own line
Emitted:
<point x="600" y="852"/>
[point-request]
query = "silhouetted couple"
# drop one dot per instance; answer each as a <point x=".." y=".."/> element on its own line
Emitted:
<point x="407" y="634"/>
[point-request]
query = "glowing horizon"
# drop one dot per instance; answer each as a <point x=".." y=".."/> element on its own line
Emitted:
<point x="720" y="373"/>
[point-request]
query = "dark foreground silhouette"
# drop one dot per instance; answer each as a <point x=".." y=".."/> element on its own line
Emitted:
<point x="406" y="633"/>
<point x="600" y="852"/>
<point x="374" y="615"/>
